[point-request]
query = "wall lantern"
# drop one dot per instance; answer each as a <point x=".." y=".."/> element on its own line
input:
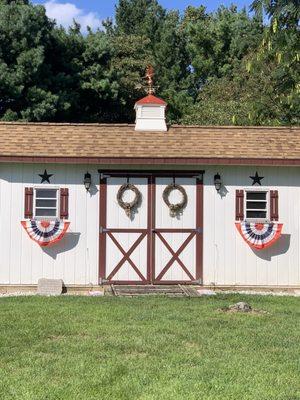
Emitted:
<point x="217" y="182"/>
<point x="87" y="181"/>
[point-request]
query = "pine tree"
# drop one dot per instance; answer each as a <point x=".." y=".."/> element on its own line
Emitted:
<point x="25" y="35"/>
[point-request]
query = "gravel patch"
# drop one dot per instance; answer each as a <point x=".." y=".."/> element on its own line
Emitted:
<point x="202" y="292"/>
<point x="295" y="293"/>
<point x="17" y="294"/>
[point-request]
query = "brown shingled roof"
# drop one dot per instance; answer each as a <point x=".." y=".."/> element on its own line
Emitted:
<point x="181" y="144"/>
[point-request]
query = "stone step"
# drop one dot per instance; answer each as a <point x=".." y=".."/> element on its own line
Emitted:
<point x="153" y="290"/>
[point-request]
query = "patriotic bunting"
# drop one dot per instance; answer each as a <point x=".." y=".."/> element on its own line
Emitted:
<point x="45" y="232"/>
<point x="259" y="235"/>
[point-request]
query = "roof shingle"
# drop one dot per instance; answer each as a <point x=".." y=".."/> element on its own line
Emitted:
<point x="122" y="141"/>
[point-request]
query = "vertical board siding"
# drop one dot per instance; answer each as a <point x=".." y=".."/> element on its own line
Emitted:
<point x="228" y="260"/>
<point x="16" y="234"/>
<point x="5" y="227"/>
<point x="28" y="273"/>
<point x="75" y="258"/>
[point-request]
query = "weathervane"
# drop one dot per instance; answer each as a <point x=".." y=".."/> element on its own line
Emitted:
<point x="149" y="78"/>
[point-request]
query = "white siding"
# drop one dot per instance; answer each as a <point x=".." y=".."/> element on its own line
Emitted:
<point x="75" y="258"/>
<point x="228" y="260"/>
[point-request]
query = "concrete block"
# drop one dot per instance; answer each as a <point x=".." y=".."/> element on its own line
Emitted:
<point x="50" y="287"/>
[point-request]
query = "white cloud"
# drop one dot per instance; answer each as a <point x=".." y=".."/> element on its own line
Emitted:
<point x="65" y="13"/>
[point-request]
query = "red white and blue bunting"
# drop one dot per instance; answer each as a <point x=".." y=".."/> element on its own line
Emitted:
<point x="45" y="233"/>
<point x="259" y="235"/>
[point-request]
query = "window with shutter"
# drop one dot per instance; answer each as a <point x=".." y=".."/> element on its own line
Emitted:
<point x="46" y="203"/>
<point x="256" y="205"/>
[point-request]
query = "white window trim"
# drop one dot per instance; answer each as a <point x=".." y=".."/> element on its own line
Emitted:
<point x="35" y="188"/>
<point x="258" y="220"/>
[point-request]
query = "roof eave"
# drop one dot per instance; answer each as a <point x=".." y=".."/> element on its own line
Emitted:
<point x="131" y="161"/>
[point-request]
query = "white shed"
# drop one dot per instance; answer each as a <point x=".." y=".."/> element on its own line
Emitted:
<point x="190" y="204"/>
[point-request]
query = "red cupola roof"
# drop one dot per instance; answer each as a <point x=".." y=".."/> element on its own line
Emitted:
<point x="150" y="99"/>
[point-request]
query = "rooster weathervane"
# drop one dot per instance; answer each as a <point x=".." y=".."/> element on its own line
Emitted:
<point x="149" y="78"/>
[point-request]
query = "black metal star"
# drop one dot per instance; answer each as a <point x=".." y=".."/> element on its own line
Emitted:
<point x="45" y="176"/>
<point x="256" y="179"/>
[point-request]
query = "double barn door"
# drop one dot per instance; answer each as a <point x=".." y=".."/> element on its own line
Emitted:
<point x="151" y="246"/>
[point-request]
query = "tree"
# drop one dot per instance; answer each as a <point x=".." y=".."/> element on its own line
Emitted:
<point x="218" y="41"/>
<point x="280" y="47"/>
<point x="212" y="68"/>
<point x="241" y="98"/>
<point x="65" y="66"/>
<point x="25" y="34"/>
<point x="285" y="12"/>
<point x="99" y="80"/>
<point x="140" y="17"/>
<point x="163" y="45"/>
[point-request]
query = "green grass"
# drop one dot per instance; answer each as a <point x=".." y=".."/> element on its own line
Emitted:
<point x="149" y="348"/>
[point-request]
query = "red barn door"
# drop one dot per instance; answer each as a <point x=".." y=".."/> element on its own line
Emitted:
<point x="152" y="246"/>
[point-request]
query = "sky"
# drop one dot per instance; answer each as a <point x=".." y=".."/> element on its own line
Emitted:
<point x="92" y="12"/>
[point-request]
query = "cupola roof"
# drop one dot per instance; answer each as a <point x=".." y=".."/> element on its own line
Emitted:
<point x="150" y="99"/>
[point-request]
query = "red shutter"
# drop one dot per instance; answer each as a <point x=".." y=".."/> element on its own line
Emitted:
<point x="28" y="208"/>
<point x="64" y="203"/>
<point x="274" y="205"/>
<point x="239" y="205"/>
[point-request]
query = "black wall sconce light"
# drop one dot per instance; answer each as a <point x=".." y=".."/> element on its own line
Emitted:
<point x="217" y="182"/>
<point x="87" y="181"/>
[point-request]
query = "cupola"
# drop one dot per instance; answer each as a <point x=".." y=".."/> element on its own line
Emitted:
<point x="150" y="110"/>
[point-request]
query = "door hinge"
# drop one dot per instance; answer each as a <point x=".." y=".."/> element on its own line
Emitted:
<point x="200" y="175"/>
<point x="103" y="230"/>
<point x="199" y="230"/>
<point x="103" y="281"/>
<point x="198" y="282"/>
<point x="104" y="176"/>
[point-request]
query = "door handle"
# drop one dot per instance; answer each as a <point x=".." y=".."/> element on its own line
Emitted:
<point x="103" y="230"/>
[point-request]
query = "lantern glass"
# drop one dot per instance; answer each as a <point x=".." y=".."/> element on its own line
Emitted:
<point x="87" y="181"/>
<point x="217" y="182"/>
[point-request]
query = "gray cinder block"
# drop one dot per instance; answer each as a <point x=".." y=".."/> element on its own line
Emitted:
<point x="50" y="287"/>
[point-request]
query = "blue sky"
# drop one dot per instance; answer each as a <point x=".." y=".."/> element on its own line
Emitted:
<point x="91" y="12"/>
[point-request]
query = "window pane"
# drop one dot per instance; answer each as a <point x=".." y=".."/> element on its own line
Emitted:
<point x="46" y="193"/>
<point x="42" y="212"/>
<point x="46" y="203"/>
<point x="259" y="205"/>
<point x="256" y="195"/>
<point x="257" y="214"/>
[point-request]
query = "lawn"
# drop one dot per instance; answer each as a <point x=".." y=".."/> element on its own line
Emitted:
<point x="149" y="348"/>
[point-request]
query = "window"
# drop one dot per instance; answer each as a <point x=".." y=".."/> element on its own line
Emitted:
<point x="46" y="203"/>
<point x="256" y="205"/>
